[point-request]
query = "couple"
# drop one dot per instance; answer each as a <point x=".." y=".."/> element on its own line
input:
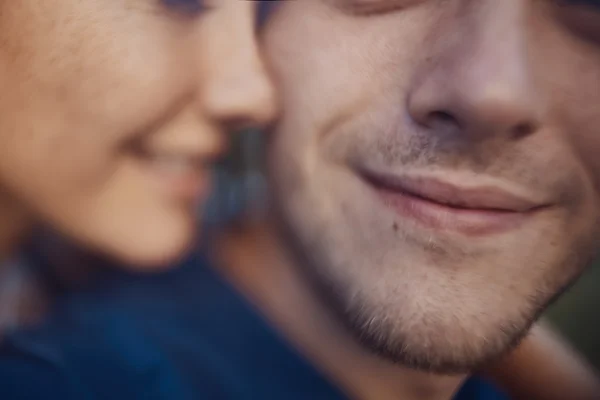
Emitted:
<point x="415" y="233"/>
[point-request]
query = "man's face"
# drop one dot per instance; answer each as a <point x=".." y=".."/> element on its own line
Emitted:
<point x="438" y="163"/>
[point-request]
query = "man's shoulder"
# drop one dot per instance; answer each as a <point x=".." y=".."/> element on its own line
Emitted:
<point x="477" y="388"/>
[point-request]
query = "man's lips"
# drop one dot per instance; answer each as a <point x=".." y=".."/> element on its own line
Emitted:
<point x="473" y="209"/>
<point x="483" y="198"/>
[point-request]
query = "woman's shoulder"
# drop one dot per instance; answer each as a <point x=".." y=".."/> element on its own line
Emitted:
<point x="116" y="334"/>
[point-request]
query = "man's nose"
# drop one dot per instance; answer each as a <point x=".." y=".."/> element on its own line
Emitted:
<point x="480" y="83"/>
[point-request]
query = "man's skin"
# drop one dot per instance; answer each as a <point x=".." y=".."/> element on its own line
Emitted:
<point x="436" y="184"/>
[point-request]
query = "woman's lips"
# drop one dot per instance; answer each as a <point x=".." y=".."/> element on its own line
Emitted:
<point x="184" y="177"/>
<point x="435" y="204"/>
<point x="180" y="175"/>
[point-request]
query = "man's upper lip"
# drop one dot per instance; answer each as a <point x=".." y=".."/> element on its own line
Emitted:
<point x="484" y="197"/>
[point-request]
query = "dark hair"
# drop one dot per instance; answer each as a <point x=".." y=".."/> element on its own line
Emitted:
<point x="264" y="8"/>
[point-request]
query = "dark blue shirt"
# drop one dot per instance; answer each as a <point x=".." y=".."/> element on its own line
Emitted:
<point x="183" y="334"/>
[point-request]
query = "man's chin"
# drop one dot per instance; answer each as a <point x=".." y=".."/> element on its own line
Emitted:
<point x="443" y="357"/>
<point x="424" y="341"/>
<point x="434" y="353"/>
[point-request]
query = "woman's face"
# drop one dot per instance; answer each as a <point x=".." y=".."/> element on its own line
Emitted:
<point x="112" y="110"/>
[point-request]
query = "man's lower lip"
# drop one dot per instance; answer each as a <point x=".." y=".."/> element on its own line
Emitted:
<point x="437" y="216"/>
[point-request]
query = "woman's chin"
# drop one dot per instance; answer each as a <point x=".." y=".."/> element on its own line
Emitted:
<point x="156" y="259"/>
<point x="152" y="251"/>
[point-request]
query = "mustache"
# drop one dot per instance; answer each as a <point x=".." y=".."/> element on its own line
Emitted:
<point x="392" y="147"/>
<point x="405" y="148"/>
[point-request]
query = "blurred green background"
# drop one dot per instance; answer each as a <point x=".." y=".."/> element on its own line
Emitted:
<point x="576" y="313"/>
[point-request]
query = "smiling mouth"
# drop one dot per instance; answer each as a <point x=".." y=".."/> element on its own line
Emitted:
<point x="181" y="175"/>
<point x="439" y="205"/>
